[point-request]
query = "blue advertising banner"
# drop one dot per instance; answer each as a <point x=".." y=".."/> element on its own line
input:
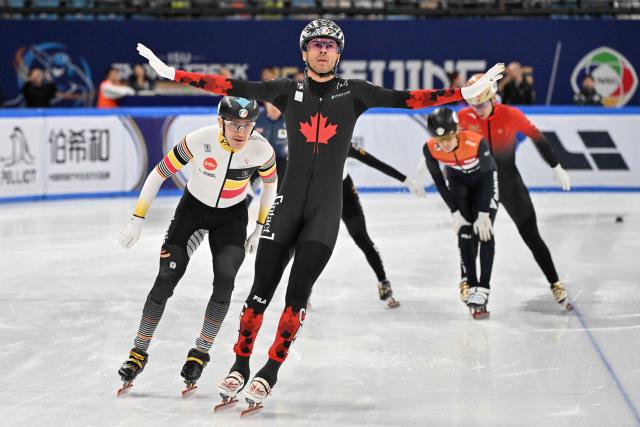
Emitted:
<point x="395" y="54"/>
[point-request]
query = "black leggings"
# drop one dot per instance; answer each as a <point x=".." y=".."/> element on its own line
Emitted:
<point x="227" y="229"/>
<point x="353" y="217"/>
<point x="272" y="259"/>
<point x="515" y="198"/>
<point x="468" y="200"/>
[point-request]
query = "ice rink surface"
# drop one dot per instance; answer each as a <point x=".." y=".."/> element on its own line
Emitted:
<point x="71" y="300"/>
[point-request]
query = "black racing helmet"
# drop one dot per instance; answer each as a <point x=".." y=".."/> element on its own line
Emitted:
<point x="442" y="121"/>
<point x="234" y="108"/>
<point x="324" y="28"/>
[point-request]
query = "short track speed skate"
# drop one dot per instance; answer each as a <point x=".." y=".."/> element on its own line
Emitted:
<point x="130" y="369"/>
<point x="192" y="370"/>
<point x="560" y="295"/>
<point x="229" y="389"/>
<point x="386" y="294"/>
<point x="477" y="303"/>
<point x="258" y="390"/>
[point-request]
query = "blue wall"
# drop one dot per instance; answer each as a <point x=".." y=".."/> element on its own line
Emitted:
<point x="82" y="51"/>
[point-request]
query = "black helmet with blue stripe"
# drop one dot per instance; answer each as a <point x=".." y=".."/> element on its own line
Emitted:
<point x="234" y="108"/>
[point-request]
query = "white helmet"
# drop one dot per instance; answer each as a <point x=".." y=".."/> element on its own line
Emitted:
<point x="322" y="28"/>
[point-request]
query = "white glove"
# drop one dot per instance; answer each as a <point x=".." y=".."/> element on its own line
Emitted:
<point x="160" y="67"/>
<point x="415" y="187"/>
<point x="131" y="232"/>
<point x="421" y="170"/>
<point x="490" y="79"/>
<point x="457" y="221"/>
<point x="482" y="226"/>
<point x="562" y="177"/>
<point x="251" y="245"/>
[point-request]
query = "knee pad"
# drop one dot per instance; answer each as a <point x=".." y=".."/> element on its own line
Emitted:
<point x="173" y="263"/>
<point x="226" y="264"/>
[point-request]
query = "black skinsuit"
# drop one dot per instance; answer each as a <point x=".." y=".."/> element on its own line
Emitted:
<point x="305" y="217"/>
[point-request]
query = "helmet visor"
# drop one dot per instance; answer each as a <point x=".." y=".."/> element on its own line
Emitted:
<point x="319" y="44"/>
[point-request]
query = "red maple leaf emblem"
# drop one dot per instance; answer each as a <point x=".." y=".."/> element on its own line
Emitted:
<point x="317" y="127"/>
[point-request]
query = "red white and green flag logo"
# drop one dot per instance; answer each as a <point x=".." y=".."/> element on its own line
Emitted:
<point x="615" y="79"/>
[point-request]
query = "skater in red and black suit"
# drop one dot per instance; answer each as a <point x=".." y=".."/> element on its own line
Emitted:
<point x="471" y="193"/>
<point x="320" y="114"/>
<point x="499" y="125"/>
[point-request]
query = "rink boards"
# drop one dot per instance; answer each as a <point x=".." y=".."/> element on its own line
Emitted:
<point x="84" y="153"/>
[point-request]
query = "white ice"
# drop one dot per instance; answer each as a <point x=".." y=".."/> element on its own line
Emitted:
<point x="71" y="300"/>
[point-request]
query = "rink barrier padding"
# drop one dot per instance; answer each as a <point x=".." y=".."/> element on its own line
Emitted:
<point x="58" y="154"/>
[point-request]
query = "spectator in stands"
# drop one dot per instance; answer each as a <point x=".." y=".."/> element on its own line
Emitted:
<point x="38" y="92"/>
<point x="518" y="88"/>
<point x="587" y="94"/>
<point x="112" y="89"/>
<point x="138" y="81"/>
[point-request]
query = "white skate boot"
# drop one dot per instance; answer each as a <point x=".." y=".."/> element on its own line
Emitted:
<point x="258" y="390"/>
<point x="477" y="302"/>
<point x="560" y="295"/>
<point x="229" y="389"/>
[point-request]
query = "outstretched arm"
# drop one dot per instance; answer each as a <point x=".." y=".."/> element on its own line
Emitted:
<point x="360" y="154"/>
<point x="273" y="91"/>
<point x="376" y="96"/>
<point x="369" y="160"/>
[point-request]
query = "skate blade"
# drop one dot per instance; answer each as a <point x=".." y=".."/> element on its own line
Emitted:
<point x="480" y="315"/>
<point x="126" y="386"/>
<point x="393" y="303"/>
<point x="251" y="409"/>
<point x="189" y="390"/>
<point x="566" y="305"/>
<point x="226" y="404"/>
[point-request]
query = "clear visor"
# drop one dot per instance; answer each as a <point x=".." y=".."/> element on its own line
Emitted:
<point x="238" y="126"/>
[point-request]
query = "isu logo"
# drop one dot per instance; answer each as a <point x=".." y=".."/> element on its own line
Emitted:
<point x="210" y="163"/>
